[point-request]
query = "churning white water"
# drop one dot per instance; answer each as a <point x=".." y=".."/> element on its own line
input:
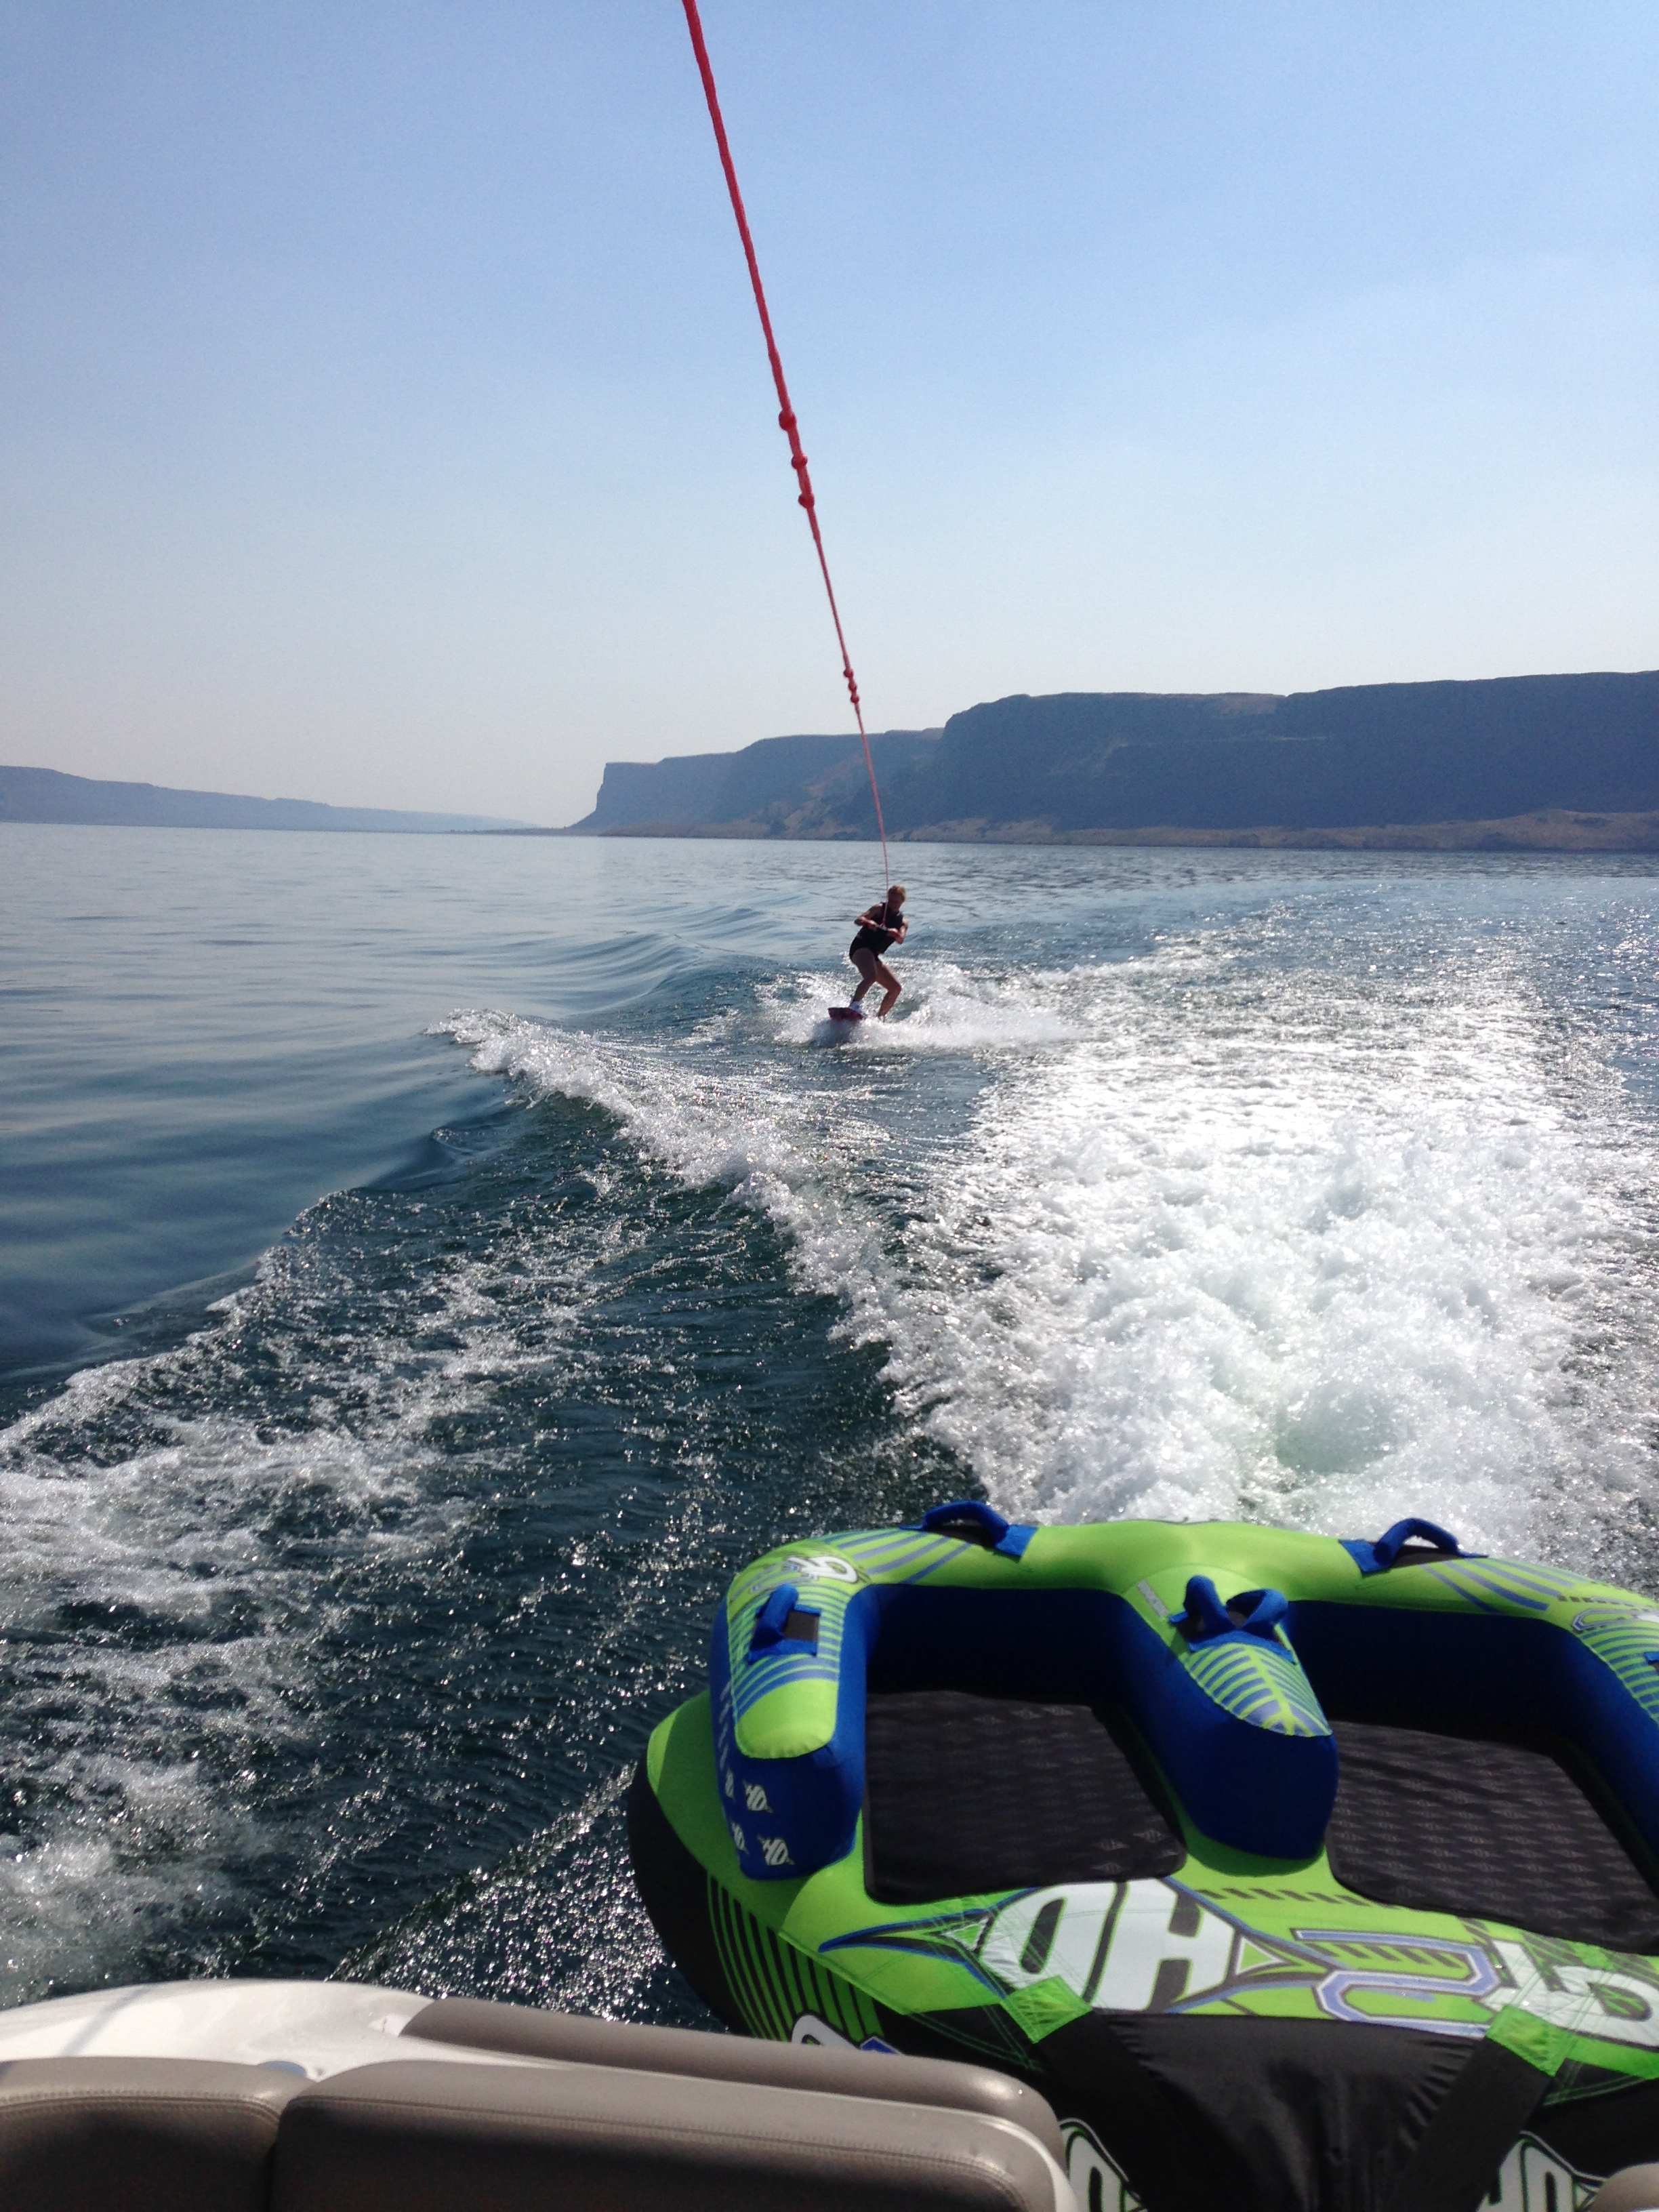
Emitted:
<point x="1336" y="1208"/>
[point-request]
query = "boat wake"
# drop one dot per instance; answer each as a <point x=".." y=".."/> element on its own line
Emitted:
<point x="1212" y="1238"/>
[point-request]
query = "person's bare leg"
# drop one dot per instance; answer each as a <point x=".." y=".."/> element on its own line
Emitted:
<point x="869" y="967"/>
<point x="891" y="984"/>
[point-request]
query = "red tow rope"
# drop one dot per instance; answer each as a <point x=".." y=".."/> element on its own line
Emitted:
<point x="786" y="413"/>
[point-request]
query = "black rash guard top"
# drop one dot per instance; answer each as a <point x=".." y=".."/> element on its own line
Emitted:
<point x="876" y="936"/>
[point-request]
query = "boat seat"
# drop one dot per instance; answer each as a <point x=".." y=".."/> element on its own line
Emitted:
<point x="408" y="2137"/>
<point x="1633" y="2188"/>
<point x="834" y="2071"/>
<point x="138" y="2135"/>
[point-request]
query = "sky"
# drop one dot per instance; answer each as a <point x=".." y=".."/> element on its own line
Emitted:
<point x="383" y="418"/>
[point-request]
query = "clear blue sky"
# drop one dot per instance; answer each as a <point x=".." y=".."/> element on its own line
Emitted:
<point x="383" y="417"/>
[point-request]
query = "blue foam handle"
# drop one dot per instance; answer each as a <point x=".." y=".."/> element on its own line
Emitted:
<point x="983" y="1517"/>
<point x="1263" y="1610"/>
<point x="1010" y="1538"/>
<point x="1206" y="1615"/>
<point x="769" y="1620"/>
<point x="1376" y="1558"/>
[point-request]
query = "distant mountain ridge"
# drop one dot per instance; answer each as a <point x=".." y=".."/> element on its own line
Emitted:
<point x="42" y="794"/>
<point x="1110" y="766"/>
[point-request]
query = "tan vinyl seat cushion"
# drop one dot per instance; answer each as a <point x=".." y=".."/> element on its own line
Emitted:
<point x="833" y="2069"/>
<point x="428" y="2137"/>
<point x="137" y="2135"/>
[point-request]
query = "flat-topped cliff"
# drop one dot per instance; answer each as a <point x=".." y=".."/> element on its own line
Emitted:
<point x="1107" y="767"/>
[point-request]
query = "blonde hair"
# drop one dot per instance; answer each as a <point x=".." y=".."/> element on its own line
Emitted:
<point x="896" y="891"/>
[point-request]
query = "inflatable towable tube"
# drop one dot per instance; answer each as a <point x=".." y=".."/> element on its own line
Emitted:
<point x="1301" y="1874"/>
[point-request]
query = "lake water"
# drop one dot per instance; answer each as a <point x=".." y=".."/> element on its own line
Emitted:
<point x="433" y="1266"/>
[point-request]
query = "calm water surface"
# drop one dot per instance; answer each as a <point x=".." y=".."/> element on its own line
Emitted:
<point x="432" y="1265"/>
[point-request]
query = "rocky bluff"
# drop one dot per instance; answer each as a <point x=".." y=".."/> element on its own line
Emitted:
<point x="1109" y="767"/>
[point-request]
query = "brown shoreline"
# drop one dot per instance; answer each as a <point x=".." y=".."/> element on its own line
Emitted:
<point x="1558" y="830"/>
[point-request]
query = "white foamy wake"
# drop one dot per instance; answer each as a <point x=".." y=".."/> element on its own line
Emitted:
<point x="1290" y="1251"/>
<point x="171" y="1576"/>
<point x="1215" y="1239"/>
<point x="790" y="1148"/>
<point x="945" y="1008"/>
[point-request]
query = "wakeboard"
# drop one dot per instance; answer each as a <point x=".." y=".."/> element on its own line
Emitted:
<point x="847" y="1014"/>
